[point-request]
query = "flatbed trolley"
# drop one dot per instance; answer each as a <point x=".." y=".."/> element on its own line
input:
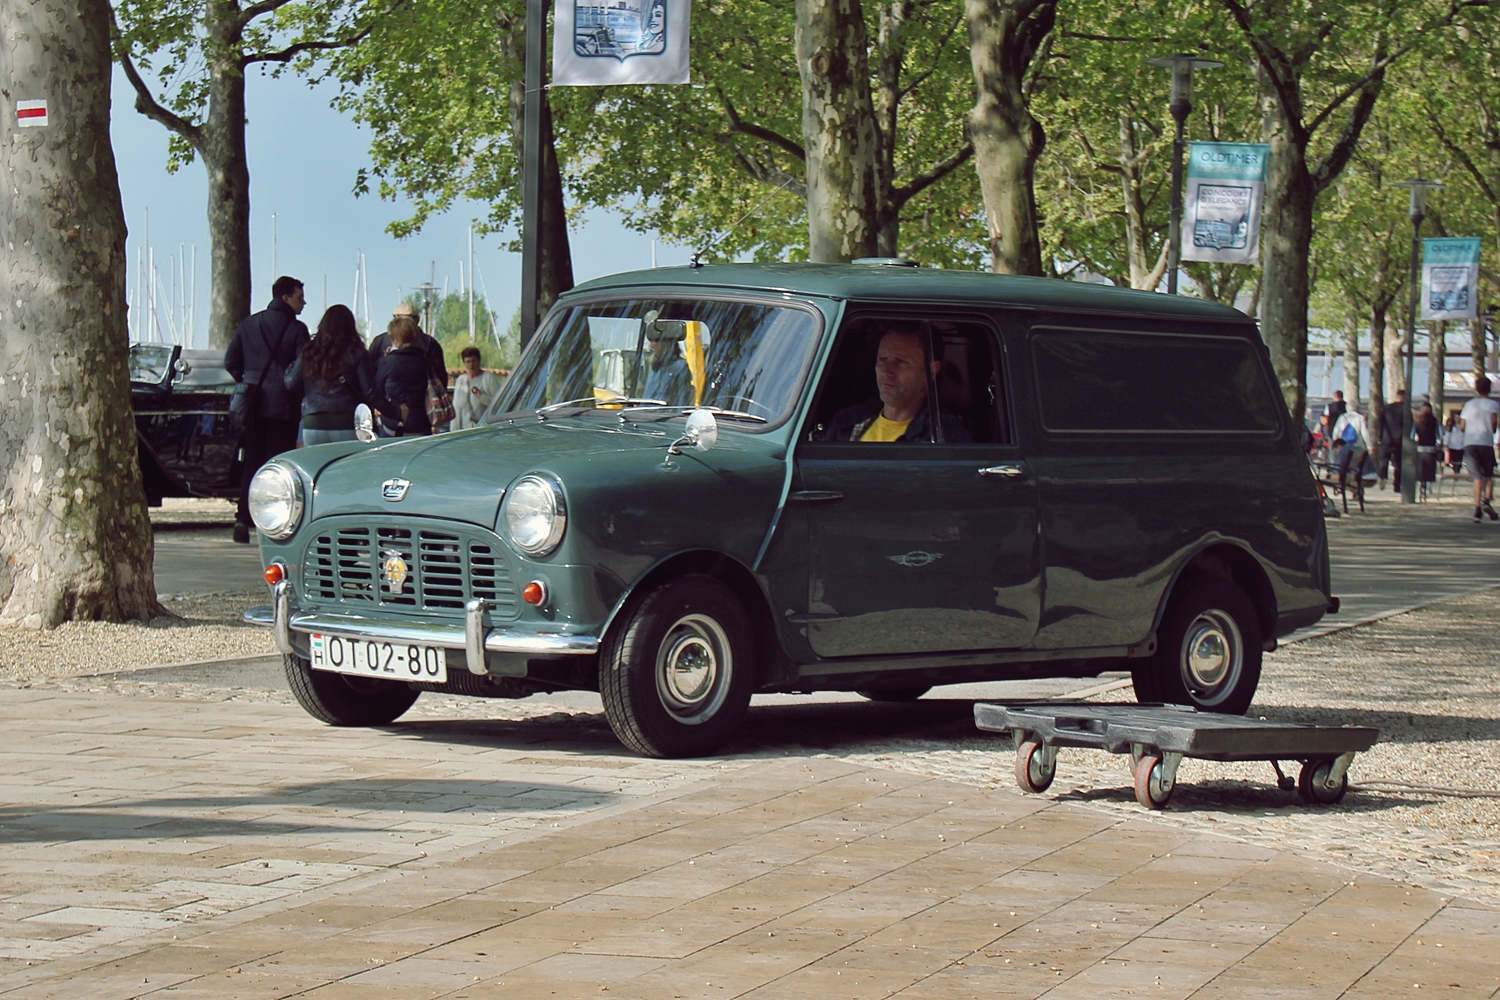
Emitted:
<point x="1158" y="737"/>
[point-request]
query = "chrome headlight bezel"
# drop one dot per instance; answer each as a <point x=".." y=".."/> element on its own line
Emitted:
<point x="283" y="479"/>
<point x="543" y="497"/>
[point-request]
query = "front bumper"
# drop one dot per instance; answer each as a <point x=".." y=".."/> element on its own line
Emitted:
<point x="474" y="638"/>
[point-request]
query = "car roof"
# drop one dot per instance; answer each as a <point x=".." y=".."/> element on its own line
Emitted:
<point x="884" y="282"/>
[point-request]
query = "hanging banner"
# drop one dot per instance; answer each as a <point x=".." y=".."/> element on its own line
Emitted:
<point x="607" y="43"/>
<point x="1450" y="278"/>
<point x="1226" y="185"/>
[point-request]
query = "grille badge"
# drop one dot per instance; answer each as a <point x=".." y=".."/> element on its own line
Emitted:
<point x="393" y="490"/>
<point x="394" y="570"/>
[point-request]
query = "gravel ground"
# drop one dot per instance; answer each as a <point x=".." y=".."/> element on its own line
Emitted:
<point x="193" y="512"/>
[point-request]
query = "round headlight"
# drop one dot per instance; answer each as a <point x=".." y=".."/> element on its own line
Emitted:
<point x="534" y="514"/>
<point x="276" y="500"/>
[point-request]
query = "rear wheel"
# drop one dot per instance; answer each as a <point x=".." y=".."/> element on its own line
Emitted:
<point x="676" y="675"/>
<point x="1208" y="650"/>
<point x="895" y="694"/>
<point x="340" y="700"/>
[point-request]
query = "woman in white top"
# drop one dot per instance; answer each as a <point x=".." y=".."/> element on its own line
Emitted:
<point x="473" y="391"/>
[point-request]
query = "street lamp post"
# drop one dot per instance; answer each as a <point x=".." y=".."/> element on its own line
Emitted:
<point x="1182" y="65"/>
<point x="1417" y="211"/>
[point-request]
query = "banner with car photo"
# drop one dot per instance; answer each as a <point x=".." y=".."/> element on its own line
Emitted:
<point x="1450" y="277"/>
<point x="1226" y="185"/>
<point x="608" y="43"/>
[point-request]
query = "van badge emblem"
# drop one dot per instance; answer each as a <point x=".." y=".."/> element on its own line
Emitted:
<point x="915" y="559"/>
<point x="392" y="490"/>
<point x="394" y="570"/>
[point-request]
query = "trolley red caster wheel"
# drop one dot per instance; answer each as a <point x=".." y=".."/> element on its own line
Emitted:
<point x="1153" y="785"/>
<point x="1314" y="786"/>
<point x="1036" y="766"/>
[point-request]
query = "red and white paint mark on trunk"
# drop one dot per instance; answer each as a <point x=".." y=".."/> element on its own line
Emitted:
<point x="31" y="114"/>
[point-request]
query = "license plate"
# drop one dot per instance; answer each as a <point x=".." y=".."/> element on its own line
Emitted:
<point x="394" y="661"/>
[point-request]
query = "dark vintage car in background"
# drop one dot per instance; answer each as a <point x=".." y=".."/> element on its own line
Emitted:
<point x="187" y="444"/>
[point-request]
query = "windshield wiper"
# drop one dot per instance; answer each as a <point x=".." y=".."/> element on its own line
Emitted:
<point x="595" y="402"/>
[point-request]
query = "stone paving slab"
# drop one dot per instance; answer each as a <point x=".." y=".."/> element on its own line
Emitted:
<point x="166" y="847"/>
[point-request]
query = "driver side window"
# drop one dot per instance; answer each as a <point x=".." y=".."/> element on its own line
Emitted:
<point x="891" y="375"/>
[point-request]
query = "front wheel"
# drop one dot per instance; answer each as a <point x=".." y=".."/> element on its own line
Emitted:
<point x="340" y="700"/>
<point x="676" y="675"/>
<point x="1208" y="650"/>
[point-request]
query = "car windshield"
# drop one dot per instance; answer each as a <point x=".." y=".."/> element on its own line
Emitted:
<point x="148" y="362"/>
<point x="741" y="357"/>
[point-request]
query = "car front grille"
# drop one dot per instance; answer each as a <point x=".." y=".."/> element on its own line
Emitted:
<point x="445" y="567"/>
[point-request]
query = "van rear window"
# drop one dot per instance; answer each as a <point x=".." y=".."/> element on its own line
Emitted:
<point x="1127" y="383"/>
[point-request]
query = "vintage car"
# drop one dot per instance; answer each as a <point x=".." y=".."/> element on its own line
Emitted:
<point x="187" y="445"/>
<point x="658" y="506"/>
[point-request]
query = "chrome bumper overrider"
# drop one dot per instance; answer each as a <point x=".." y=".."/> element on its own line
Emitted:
<point x="474" y="638"/>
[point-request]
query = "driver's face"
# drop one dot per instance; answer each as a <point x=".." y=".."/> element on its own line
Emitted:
<point x="898" y="371"/>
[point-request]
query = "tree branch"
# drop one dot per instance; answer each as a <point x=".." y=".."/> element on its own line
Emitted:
<point x="1272" y="66"/>
<point x="1338" y="157"/>
<point x="737" y="124"/>
<point x="1462" y="157"/>
<point x="291" y="52"/>
<point x="933" y="174"/>
<point x="255" y="10"/>
<point x="770" y="175"/>
<point x="146" y="102"/>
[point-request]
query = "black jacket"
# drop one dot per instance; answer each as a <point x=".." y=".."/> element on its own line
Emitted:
<point x="859" y="417"/>
<point x="268" y="343"/>
<point x="401" y="376"/>
<point x="428" y="346"/>
<point x="1390" y="423"/>
<point x="328" y="404"/>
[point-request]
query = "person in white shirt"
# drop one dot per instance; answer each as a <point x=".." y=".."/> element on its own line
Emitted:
<point x="1352" y="437"/>
<point x="474" y="390"/>
<point x="1478" y="420"/>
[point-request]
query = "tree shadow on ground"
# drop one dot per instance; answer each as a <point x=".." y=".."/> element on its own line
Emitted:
<point x="1395" y="726"/>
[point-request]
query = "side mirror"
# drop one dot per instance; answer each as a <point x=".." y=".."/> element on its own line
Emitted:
<point x="364" y="424"/>
<point x="180" y="370"/>
<point x="702" y="430"/>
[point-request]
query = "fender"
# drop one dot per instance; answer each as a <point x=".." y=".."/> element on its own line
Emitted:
<point x="1147" y="646"/>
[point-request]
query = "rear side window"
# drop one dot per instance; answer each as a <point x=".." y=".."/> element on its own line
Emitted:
<point x="1129" y="383"/>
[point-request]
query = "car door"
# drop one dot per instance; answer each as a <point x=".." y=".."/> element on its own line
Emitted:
<point x="920" y="546"/>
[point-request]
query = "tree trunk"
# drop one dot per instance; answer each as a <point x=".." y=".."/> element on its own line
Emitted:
<point x="1286" y="240"/>
<point x="1437" y="358"/>
<point x="75" y="541"/>
<point x="890" y="51"/>
<point x="1377" y="364"/>
<point x="222" y="148"/>
<point x="1351" y="362"/>
<point x="555" y="250"/>
<point x="839" y="133"/>
<point x="1395" y="351"/>
<point x="1144" y="274"/>
<point x="1478" y="349"/>
<point x="1003" y="37"/>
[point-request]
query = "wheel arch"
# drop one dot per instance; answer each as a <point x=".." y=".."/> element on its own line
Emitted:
<point x="770" y="659"/>
<point x="1235" y="563"/>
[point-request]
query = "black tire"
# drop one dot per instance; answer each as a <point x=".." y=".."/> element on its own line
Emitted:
<point x="346" y="701"/>
<point x="1148" y="777"/>
<point x="895" y="694"/>
<point x="676" y="672"/>
<point x="1312" y="784"/>
<point x="1212" y="616"/>
<point x="1032" y="773"/>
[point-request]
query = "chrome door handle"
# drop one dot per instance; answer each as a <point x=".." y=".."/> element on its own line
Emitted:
<point x="1010" y="470"/>
<point x="812" y="496"/>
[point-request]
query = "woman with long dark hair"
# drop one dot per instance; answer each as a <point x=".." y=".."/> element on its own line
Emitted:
<point x="333" y="375"/>
<point x="1425" y="428"/>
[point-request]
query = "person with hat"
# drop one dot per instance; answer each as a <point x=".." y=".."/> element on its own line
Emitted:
<point x="428" y="346"/>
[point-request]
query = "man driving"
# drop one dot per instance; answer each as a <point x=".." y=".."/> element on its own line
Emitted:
<point x="899" y="412"/>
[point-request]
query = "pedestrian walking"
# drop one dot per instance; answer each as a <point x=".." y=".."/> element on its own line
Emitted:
<point x="265" y="345"/>
<point x="474" y="390"/>
<point x="1351" y="435"/>
<point x="401" y="376"/>
<point x="1478" y="422"/>
<point x="431" y="350"/>
<point x="1453" y="442"/>
<point x="1425" y="427"/>
<point x="1336" y="408"/>
<point x="333" y="375"/>
<point x="1392" y="419"/>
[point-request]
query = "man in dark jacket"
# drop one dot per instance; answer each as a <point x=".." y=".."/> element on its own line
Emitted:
<point x="899" y="411"/>
<point x="1389" y="434"/>
<point x="265" y="345"/>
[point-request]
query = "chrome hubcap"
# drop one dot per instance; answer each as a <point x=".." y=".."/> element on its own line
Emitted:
<point x="693" y="669"/>
<point x="1213" y="655"/>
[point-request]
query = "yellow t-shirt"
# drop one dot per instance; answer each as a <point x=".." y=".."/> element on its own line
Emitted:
<point x="884" y="430"/>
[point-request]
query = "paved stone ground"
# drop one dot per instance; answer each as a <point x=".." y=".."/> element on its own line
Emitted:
<point x="236" y="849"/>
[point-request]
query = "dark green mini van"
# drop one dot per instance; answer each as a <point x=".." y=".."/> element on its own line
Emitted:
<point x="701" y="483"/>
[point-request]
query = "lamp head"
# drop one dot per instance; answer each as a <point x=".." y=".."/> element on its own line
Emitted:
<point x="1182" y="65"/>
<point x="1418" y="187"/>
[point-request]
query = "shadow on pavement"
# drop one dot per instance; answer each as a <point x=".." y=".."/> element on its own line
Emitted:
<point x="161" y="818"/>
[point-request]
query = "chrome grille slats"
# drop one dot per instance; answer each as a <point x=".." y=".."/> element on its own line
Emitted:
<point x="343" y="565"/>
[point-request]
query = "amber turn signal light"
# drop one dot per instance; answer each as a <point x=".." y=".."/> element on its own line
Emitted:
<point x="534" y="593"/>
<point x="275" y="573"/>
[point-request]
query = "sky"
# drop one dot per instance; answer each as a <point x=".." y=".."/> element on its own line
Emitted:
<point x="303" y="160"/>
